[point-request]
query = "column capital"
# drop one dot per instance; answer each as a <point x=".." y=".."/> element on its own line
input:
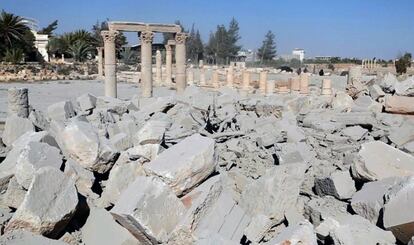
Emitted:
<point x="146" y="36"/>
<point x="109" y="36"/>
<point x="168" y="47"/>
<point x="180" y="37"/>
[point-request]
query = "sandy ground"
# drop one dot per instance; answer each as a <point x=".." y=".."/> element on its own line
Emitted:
<point x="43" y="94"/>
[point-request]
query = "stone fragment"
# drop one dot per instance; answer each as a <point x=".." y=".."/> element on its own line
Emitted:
<point x="257" y="227"/>
<point x="366" y="103"/>
<point x="399" y="104"/>
<point x="375" y="91"/>
<point x="34" y="156"/>
<point x="398" y="215"/>
<point x="377" y="160"/>
<point x="353" y="229"/>
<point x="79" y="141"/>
<point x="149" y="210"/>
<point x="14" y="194"/>
<point x="402" y="134"/>
<point x="21" y="237"/>
<point x="301" y="233"/>
<point x="319" y="209"/>
<point x="41" y="137"/>
<point x="279" y="185"/>
<point x="61" y="111"/>
<point x="39" y="119"/>
<point x="405" y="88"/>
<point x="342" y="102"/>
<point x="47" y="207"/>
<point x="151" y="133"/>
<point x="339" y="184"/>
<point x="84" y="179"/>
<point x="101" y="228"/>
<point x="86" y="102"/>
<point x="388" y="83"/>
<point x="355" y="133"/>
<point x="120" y="177"/>
<point x="15" y="127"/>
<point x="18" y="102"/>
<point x="369" y="201"/>
<point x="121" y="141"/>
<point x="194" y="161"/>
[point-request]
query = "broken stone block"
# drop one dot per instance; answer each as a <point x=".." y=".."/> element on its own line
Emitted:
<point x="101" y="228"/>
<point x="14" y="194"/>
<point x="375" y="91"/>
<point x="257" y="228"/>
<point x="355" y="133"/>
<point x="41" y="137"/>
<point x="366" y="103"/>
<point x="47" y="207"/>
<point x="113" y="105"/>
<point x="79" y="141"/>
<point x="369" y="201"/>
<point x="377" y="160"/>
<point x="339" y="184"/>
<point x="301" y="233"/>
<point x="319" y="209"/>
<point x="405" y="88"/>
<point x="21" y="237"/>
<point x="61" y="111"/>
<point x="342" y="102"/>
<point x="399" y="104"/>
<point x="121" y="175"/>
<point x="402" y="134"/>
<point x="14" y="128"/>
<point x="121" y="142"/>
<point x="354" y="229"/>
<point x="151" y="133"/>
<point x="86" y="102"/>
<point x="194" y="160"/>
<point x="398" y="215"/>
<point x="152" y="222"/>
<point x="279" y="185"/>
<point x="39" y="119"/>
<point x="34" y="156"/>
<point x="84" y="179"/>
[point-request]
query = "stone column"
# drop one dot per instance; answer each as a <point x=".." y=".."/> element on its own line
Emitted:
<point x="200" y="63"/>
<point x="326" y="87"/>
<point x="294" y="83"/>
<point x="263" y="82"/>
<point x="100" y="62"/>
<point x="215" y="79"/>
<point x="270" y="87"/>
<point x="18" y="102"/>
<point x="230" y="76"/>
<point x="110" y="62"/>
<point x="354" y="73"/>
<point x="168" y="65"/>
<point x="63" y="58"/>
<point x="246" y="80"/>
<point x="304" y="83"/>
<point x="180" y="60"/>
<point x="202" y="76"/>
<point x="190" y="76"/>
<point x="158" y="68"/>
<point x="146" y="63"/>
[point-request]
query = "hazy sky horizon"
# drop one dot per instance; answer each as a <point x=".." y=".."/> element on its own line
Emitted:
<point x="352" y="28"/>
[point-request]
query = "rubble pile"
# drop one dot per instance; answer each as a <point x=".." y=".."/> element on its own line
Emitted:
<point x="213" y="167"/>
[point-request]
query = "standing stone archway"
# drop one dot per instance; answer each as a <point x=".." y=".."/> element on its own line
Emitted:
<point x="146" y="34"/>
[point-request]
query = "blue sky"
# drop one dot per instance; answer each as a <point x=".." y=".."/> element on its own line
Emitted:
<point x="347" y="28"/>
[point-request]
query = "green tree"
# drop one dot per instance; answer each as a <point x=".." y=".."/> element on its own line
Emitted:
<point x="403" y="62"/>
<point x="233" y="38"/>
<point x="15" y="34"/>
<point x="120" y="40"/>
<point x="14" y="55"/>
<point x="194" y="46"/>
<point x="48" y="30"/>
<point x="170" y="36"/>
<point x="268" y="49"/>
<point x="80" y="49"/>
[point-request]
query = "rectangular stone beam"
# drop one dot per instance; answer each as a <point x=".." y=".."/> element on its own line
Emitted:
<point x="140" y="27"/>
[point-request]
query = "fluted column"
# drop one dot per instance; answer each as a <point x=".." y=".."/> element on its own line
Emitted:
<point x="110" y="62"/>
<point x="100" y="62"/>
<point x="168" y="65"/>
<point x="180" y="60"/>
<point x="146" y="63"/>
<point x="158" y="67"/>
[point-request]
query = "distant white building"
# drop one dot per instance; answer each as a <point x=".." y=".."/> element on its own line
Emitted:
<point x="246" y="55"/>
<point x="40" y="42"/>
<point x="299" y="53"/>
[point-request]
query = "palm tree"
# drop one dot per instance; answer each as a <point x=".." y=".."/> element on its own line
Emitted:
<point x="12" y="28"/>
<point x="80" y="50"/>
